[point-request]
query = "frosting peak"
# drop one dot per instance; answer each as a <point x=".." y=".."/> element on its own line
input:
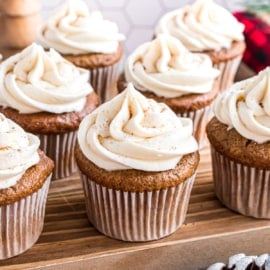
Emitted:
<point x="202" y="26"/>
<point x="75" y="30"/>
<point x="165" y="67"/>
<point x="35" y="80"/>
<point x="18" y="152"/>
<point x="246" y="107"/>
<point x="133" y="132"/>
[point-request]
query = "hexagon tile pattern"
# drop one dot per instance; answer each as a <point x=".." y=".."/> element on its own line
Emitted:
<point x="136" y="19"/>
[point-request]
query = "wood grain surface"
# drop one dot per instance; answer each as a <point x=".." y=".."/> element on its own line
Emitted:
<point x="69" y="238"/>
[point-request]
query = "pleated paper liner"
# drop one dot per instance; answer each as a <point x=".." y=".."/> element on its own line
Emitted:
<point x="200" y="119"/>
<point x="243" y="189"/>
<point x="228" y="71"/>
<point x="103" y="81"/>
<point x="21" y="223"/>
<point x="60" y="148"/>
<point x="136" y="216"/>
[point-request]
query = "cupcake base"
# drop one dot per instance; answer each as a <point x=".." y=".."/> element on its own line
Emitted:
<point x="200" y="119"/>
<point x="227" y="61"/>
<point x="21" y="222"/>
<point x="60" y="148"/>
<point x="103" y="71"/>
<point x="136" y="216"/>
<point x="228" y="70"/>
<point x="104" y="81"/>
<point x="241" y="188"/>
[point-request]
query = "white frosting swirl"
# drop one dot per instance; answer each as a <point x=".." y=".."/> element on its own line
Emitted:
<point x="34" y="81"/>
<point x="165" y="67"/>
<point x="246" y="107"/>
<point x="216" y="266"/>
<point x="133" y="132"/>
<point x="202" y="26"/>
<point x="75" y="30"/>
<point x="18" y="152"/>
<point x="241" y="262"/>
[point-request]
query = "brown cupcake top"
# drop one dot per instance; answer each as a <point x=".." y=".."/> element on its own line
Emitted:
<point x="136" y="180"/>
<point x="223" y="55"/>
<point x="32" y="180"/>
<point x="191" y="102"/>
<point x="95" y="60"/>
<point x="230" y="143"/>
<point x="45" y="122"/>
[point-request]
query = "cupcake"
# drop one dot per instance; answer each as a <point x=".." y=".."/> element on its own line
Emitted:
<point x="163" y="69"/>
<point x="48" y="96"/>
<point x="25" y="174"/>
<point x="206" y="27"/>
<point x="242" y="262"/>
<point x="138" y="162"/>
<point x="239" y="135"/>
<point x="88" y="41"/>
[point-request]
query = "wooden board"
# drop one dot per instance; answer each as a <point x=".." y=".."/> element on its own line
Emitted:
<point x="69" y="238"/>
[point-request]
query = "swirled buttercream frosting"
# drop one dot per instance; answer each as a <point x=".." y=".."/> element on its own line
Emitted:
<point x="165" y="67"/>
<point x="202" y="26"/>
<point x="18" y="152"/>
<point x="246" y="107"/>
<point x="75" y="30"/>
<point x="36" y="80"/>
<point x="133" y="132"/>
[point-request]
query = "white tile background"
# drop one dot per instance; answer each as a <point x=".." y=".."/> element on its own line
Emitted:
<point x="135" y="18"/>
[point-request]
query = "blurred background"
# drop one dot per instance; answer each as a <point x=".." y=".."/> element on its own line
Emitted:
<point x="136" y="19"/>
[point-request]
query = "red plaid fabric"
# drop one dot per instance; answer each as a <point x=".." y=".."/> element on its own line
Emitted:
<point x="257" y="35"/>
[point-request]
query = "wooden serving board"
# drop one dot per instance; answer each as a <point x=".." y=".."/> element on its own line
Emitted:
<point x="68" y="240"/>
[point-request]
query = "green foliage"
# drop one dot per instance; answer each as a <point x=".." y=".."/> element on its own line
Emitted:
<point x="257" y="5"/>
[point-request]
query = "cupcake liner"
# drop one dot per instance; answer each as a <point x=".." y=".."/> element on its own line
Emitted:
<point x="136" y="216"/>
<point x="104" y="81"/>
<point x="228" y="71"/>
<point x="21" y="223"/>
<point x="60" y="148"/>
<point x="241" y="188"/>
<point x="200" y="119"/>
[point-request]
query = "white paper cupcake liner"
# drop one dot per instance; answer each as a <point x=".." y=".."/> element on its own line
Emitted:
<point x="241" y="188"/>
<point x="136" y="216"/>
<point x="21" y="223"/>
<point x="60" y="148"/>
<point x="200" y="119"/>
<point x="104" y="81"/>
<point x="228" y="71"/>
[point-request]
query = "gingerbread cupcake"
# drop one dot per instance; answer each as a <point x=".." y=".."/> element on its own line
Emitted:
<point x="240" y="144"/>
<point x="25" y="174"/>
<point x="47" y="96"/>
<point x="87" y="40"/>
<point x="206" y="27"/>
<point x="138" y="162"/>
<point x="163" y="69"/>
